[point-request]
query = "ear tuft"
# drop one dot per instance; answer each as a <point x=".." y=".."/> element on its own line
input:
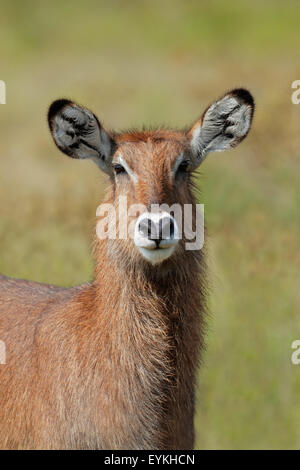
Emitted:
<point x="243" y="95"/>
<point x="55" y="108"/>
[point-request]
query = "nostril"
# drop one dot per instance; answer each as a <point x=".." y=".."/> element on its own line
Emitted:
<point x="172" y="228"/>
<point x="147" y="229"/>
<point x="166" y="228"/>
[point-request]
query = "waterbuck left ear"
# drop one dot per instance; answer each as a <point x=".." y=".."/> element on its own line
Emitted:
<point x="78" y="133"/>
<point x="223" y="125"/>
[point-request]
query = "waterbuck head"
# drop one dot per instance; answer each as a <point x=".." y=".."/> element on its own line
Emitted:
<point x="151" y="171"/>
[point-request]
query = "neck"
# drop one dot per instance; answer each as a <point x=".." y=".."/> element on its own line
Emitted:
<point x="154" y="329"/>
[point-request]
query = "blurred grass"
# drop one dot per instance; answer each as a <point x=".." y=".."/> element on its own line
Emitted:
<point x="156" y="62"/>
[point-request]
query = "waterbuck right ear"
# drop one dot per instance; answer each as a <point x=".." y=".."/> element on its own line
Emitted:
<point x="78" y="133"/>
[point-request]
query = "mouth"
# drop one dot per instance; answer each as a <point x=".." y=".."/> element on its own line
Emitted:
<point x="156" y="254"/>
<point x="158" y="244"/>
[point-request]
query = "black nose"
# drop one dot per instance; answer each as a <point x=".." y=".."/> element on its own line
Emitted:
<point x="162" y="229"/>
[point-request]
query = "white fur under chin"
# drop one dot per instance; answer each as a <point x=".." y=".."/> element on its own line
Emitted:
<point x="156" y="256"/>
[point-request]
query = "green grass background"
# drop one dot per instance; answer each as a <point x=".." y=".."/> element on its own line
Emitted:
<point x="154" y="62"/>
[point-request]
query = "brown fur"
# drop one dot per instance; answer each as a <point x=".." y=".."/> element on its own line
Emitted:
<point x="110" y="364"/>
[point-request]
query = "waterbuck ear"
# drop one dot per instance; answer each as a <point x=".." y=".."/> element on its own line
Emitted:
<point x="78" y="133"/>
<point x="223" y="125"/>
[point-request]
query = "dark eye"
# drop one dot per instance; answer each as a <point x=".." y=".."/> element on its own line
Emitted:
<point x="118" y="169"/>
<point x="183" y="166"/>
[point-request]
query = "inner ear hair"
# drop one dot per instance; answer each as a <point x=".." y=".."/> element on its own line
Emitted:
<point x="223" y="125"/>
<point x="78" y="133"/>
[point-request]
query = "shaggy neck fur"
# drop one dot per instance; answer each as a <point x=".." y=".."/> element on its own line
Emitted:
<point x="152" y="322"/>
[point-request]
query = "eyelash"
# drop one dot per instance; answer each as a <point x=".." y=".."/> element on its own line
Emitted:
<point x="183" y="167"/>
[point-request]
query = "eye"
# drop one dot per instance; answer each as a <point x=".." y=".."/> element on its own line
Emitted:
<point x="183" y="167"/>
<point x="118" y="169"/>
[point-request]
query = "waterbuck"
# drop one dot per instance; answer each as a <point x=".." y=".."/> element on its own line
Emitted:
<point x="111" y="364"/>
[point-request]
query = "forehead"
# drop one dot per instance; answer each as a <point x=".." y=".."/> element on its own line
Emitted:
<point x="145" y="148"/>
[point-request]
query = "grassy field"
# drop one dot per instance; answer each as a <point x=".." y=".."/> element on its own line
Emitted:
<point x="142" y="62"/>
